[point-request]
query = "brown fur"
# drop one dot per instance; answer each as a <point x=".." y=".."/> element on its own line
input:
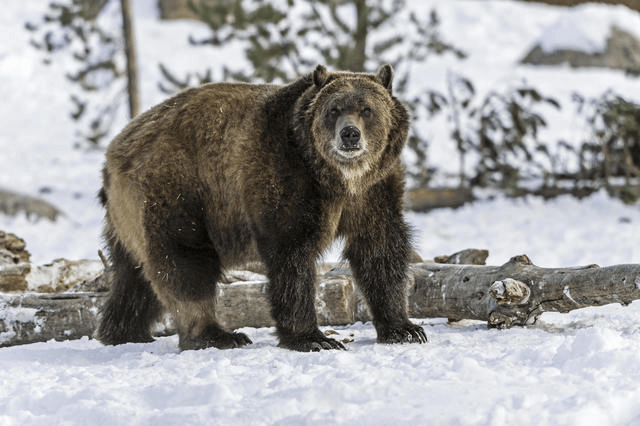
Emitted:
<point x="229" y="173"/>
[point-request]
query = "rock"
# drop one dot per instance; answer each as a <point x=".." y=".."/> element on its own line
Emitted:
<point x="14" y="263"/>
<point x="13" y="277"/>
<point x="12" y="249"/>
<point x="465" y="257"/>
<point x="622" y="52"/>
<point x="12" y="203"/>
<point x="17" y="274"/>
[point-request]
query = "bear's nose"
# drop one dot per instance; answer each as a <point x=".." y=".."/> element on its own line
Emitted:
<point x="350" y="136"/>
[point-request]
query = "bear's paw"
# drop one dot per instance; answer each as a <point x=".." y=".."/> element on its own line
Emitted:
<point x="407" y="333"/>
<point x="215" y="337"/>
<point x="308" y="342"/>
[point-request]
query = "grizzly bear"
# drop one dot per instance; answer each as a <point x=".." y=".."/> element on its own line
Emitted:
<point x="228" y="173"/>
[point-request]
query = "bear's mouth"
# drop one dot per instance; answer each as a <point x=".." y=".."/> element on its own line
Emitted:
<point x="353" y="164"/>
<point x="348" y="155"/>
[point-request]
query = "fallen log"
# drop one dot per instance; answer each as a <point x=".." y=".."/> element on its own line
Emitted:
<point x="39" y="317"/>
<point x="518" y="292"/>
<point x="427" y="199"/>
<point x="513" y="294"/>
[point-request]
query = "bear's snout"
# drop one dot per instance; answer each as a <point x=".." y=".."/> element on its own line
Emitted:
<point x="350" y="138"/>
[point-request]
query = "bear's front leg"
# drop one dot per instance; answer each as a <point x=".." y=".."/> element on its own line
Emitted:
<point x="380" y="272"/>
<point x="291" y="273"/>
<point x="378" y="249"/>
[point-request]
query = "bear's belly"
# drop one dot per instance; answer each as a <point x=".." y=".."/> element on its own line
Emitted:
<point x="234" y="243"/>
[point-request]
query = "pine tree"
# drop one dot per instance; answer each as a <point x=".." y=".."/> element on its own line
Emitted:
<point x="288" y="39"/>
<point x="102" y="64"/>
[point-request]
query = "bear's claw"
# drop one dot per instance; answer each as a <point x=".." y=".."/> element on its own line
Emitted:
<point x="215" y="338"/>
<point x="408" y="333"/>
<point x="311" y="342"/>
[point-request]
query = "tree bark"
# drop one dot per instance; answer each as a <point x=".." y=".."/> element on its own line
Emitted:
<point x="37" y="317"/>
<point x="130" y="54"/>
<point x="360" y="37"/>
<point x="518" y="292"/>
<point x="513" y="294"/>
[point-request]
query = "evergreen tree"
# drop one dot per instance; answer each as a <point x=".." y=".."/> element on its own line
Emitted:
<point x="104" y="58"/>
<point x="283" y="42"/>
<point x="289" y="38"/>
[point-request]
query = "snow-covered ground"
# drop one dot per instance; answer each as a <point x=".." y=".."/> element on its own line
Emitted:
<point x="578" y="368"/>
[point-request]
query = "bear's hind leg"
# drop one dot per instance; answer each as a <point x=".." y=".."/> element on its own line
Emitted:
<point x="185" y="278"/>
<point x="212" y="336"/>
<point x="131" y="307"/>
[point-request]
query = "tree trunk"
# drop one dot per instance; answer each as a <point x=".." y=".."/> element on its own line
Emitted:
<point x="513" y="294"/>
<point x="360" y="37"/>
<point x="518" y="292"/>
<point x="130" y="53"/>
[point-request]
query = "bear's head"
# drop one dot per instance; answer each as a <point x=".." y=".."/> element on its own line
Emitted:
<point x="354" y="122"/>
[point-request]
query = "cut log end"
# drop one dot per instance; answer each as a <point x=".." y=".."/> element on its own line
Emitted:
<point x="510" y="292"/>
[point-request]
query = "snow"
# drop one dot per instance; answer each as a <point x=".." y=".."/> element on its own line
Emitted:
<point x="571" y="370"/>
<point x="577" y="368"/>
<point x="576" y="30"/>
<point x="583" y="28"/>
<point x="559" y="232"/>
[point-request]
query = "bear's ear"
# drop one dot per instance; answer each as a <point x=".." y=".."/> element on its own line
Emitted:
<point x="385" y="75"/>
<point x="320" y="76"/>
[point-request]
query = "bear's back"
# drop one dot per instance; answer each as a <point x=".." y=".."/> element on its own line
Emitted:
<point x="192" y="123"/>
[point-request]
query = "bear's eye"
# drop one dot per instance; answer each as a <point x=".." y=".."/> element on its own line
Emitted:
<point x="334" y="112"/>
<point x="366" y="112"/>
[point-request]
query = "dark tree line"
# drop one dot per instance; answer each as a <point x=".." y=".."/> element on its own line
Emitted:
<point x="496" y="135"/>
<point x="354" y="35"/>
